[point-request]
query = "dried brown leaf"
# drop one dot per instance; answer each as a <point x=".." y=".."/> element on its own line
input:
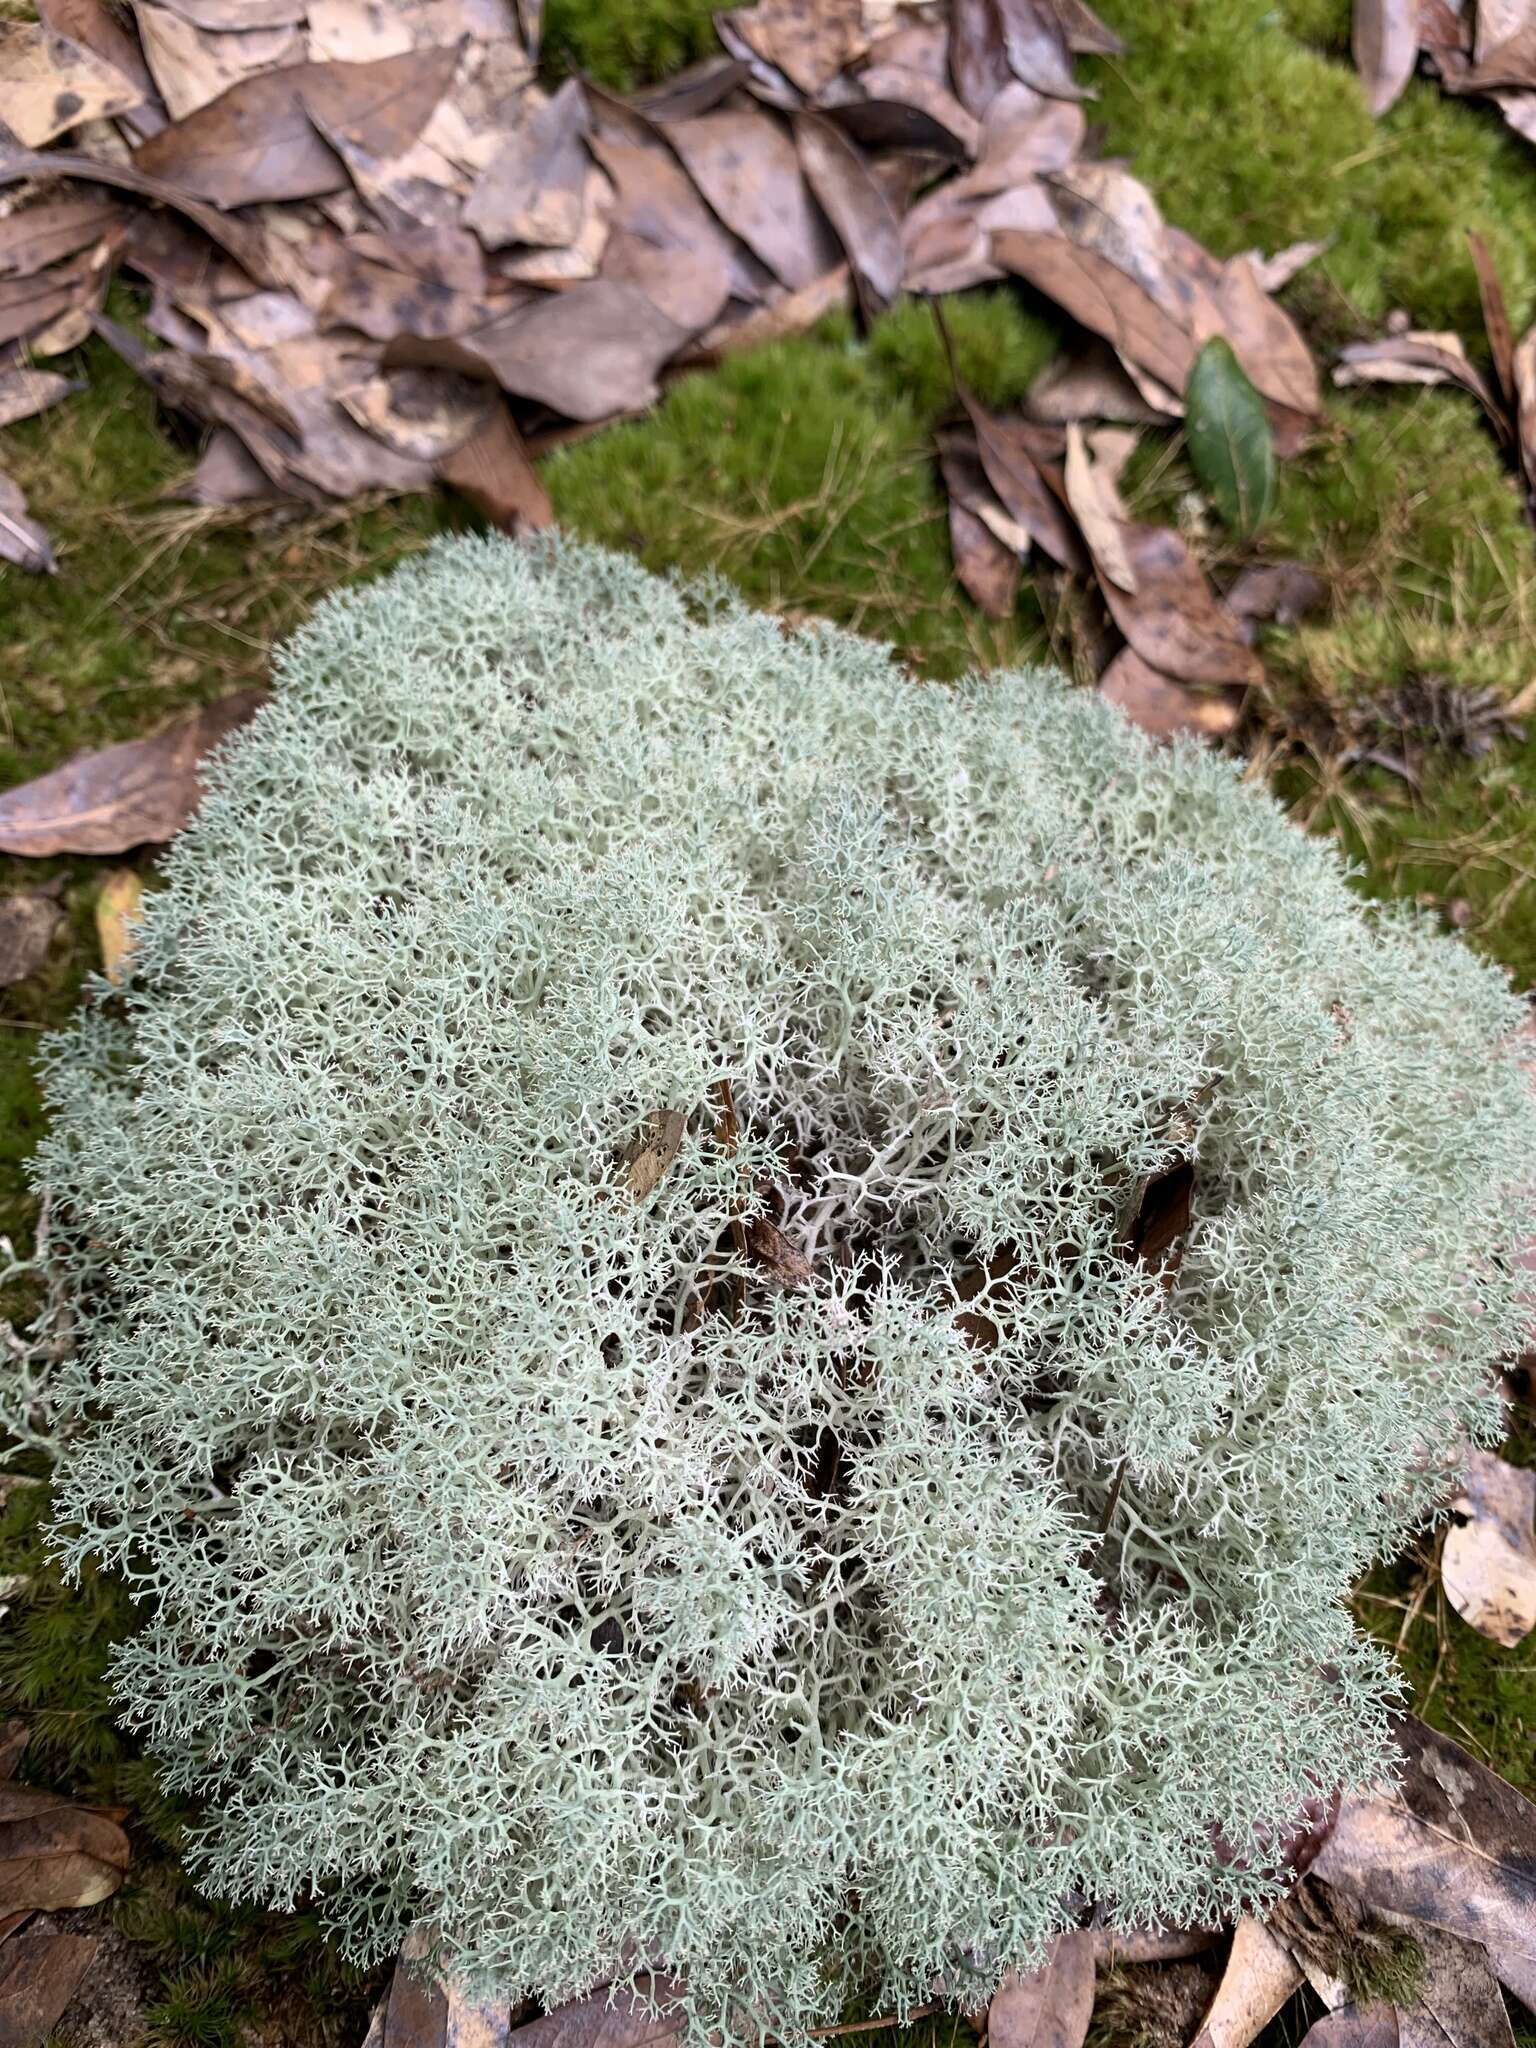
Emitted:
<point x="1024" y="135"/>
<point x="228" y="474"/>
<point x="239" y="14"/>
<point x="1151" y="1944"/>
<point x="773" y="1251"/>
<point x="40" y="235"/>
<point x="49" y="83"/>
<point x="25" y="393"/>
<point x="1355" y="2026"/>
<point x="1385" y="40"/>
<point x="1523" y="376"/>
<point x="28" y="921"/>
<point x="96" y="26"/>
<point x="1501" y="340"/>
<point x="119" y="906"/>
<point x="533" y="189"/>
<point x="696" y="90"/>
<point x="1282" y="593"/>
<point x="1511" y="63"/>
<point x="1452" y="1846"/>
<point x="425" y="414"/>
<point x="1051" y="2007"/>
<point x="383" y="303"/>
<point x="39" y="1975"/>
<point x="257" y="141"/>
<point x="191" y="67"/>
<point x="905" y="109"/>
<point x="1260" y="1976"/>
<point x="363" y="31"/>
<point x="809" y="41"/>
<point x="1036" y="44"/>
<point x="1274" y="273"/>
<point x="1084" y="31"/>
<point x="1089" y="386"/>
<point x="662" y="238"/>
<point x="745" y="165"/>
<point x="138" y="792"/>
<point x="1417" y="358"/>
<point x="1091" y="479"/>
<point x="241" y="241"/>
<point x="978" y="54"/>
<point x="1102" y="298"/>
<point x="53" y="1854"/>
<point x="988" y="561"/>
<point x="588" y="352"/>
<point x="1021" y="460"/>
<point x="1264" y="337"/>
<point x="1172" y="619"/>
<point x="860" y="214"/>
<point x="793" y="313"/>
<point x="633" y="2019"/>
<point x="1488" y="1564"/>
<point x="1163" y="707"/>
<point x="495" y="472"/>
<point x="22" y="540"/>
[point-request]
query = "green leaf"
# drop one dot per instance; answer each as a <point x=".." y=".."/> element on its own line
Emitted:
<point x="1229" y="437"/>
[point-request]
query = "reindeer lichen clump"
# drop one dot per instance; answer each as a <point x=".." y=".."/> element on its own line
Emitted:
<point x="745" y="1312"/>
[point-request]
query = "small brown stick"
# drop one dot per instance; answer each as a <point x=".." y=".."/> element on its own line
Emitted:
<point x="918" y="2012"/>
<point x="1114" y="1498"/>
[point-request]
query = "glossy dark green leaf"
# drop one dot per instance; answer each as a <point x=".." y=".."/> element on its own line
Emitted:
<point x="1230" y="442"/>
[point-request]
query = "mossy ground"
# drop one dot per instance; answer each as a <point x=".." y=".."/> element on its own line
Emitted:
<point x="804" y="471"/>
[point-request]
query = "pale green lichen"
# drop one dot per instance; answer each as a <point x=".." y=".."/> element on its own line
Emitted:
<point x="524" y="1556"/>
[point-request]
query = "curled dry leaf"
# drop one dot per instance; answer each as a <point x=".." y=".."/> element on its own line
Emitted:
<point x="119" y="906"/>
<point x="1091" y="479"/>
<point x="39" y="1975"/>
<point x="662" y="239"/>
<point x="28" y="921"/>
<point x="978" y="55"/>
<point x="1259" y="1978"/>
<point x="1488" y="1564"/>
<point x="906" y="109"/>
<point x="257" y="141"/>
<point x="772" y="1250"/>
<point x="136" y="793"/>
<point x="1102" y="298"/>
<point x="1501" y="340"/>
<point x="1022" y="460"/>
<point x="809" y="41"/>
<point x="494" y="471"/>
<point x="49" y="83"/>
<point x="1089" y="386"/>
<point x="40" y="235"/>
<point x="860" y="213"/>
<point x="1417" y="358"/>
<point x="424" y="414"/>
<point x="1385" y="40"/>
<point x="1051" y="2006"/>
<point x="55" y="1855"/>
<point x="743" y="162"/>
<point x="1172" y="619"/>
<point x="1165" y="708"/>
<point x="191" y="68"/>
<point x="22" y="540"/>
<point x="988" y="558"/>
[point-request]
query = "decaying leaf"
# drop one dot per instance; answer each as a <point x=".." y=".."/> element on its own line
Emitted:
<point x="1091" y="478"/>
<point x="136" y="793"/>
<point x="49" y="83"/>
<point x="1102" y="298"/>
<point x="1386" y="48"/>
<point x="257" y="141"/>
<point x="423" y="414"/>
<point x="55" y="1855"/>
<point x="1089" y="386"/>
<point x="1501" y="340"/>
<point x="631" y="2019"/>
<point x="653" y="1152"/>
<point x="853" y="202"/>
<point x="39" y="235"/>
<point x="1163" y="707"/>
<point x="24" y="393"/>
<point x="988" y="561"/>
<point x="809" y="41"/>
<point x="28" y="921"/>
<point x="119" y="906"/>
<point x="745" y="165"/>
<point x="1260" y="1976"/>
<point x="1022" y="461"/>
<point x="1051" y="2007"/>
<point x="662" y="239"/>
<point x="191" y="67"/>
<point x="1488" y="1565"/>
<point x="1417" y="358"/>
<point x="39" y="1975"/>
<point x="22" y="540"/>
<point x="1280" y="592"/>
<point x="1355" y="2026"/>
<point x="1523" y="375"/>
<point x="533" y="189"/>
<point x="589" y="352"/>
<point x="773" y="1251"/>
<point x="1452" y="1846"/>
<point x="1275" y="272"/>
<point x="1228" y="435"/>
<point x="1172" y="618"/>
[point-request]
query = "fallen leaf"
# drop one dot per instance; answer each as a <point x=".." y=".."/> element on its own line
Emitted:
<point x="239" y="14"/>
<point x="1172" y="618"/>
<point x="905" y="109"/>
<point x="809" y="41"/>
<point x="1501" y="340"/>
<point x="493" y="470"/>
<point x="1259" y="1978"/>
<point x="425" y="414"/>
<point x="383" y="303"/>
<point x="138" y="792"/>
<point x="362" y="31"/>
<point x="1089" y="386"/>
<point x="38" y="236"/>
<point x="1051" y="2006"/>
<point x="1163" y="707"/>
<point x="662" y="238"/>
<point x="95" y="26"/>
<point x="1458" y="2000"/>
<point x="1084" y="31"/>
<point x="988" y="565"/>
<point x="1417" y="358"/>
<point x="1385" y="41"/>
<point x="1091" y="478"/>
<point x="978" y="54"/>
<point x="695" y="90"/>
<point x="774" y="1252"/>
<point x="39" y="1975"/>
<point x="192" y="68"/>
<point x="794" y="313"/>
<point x="1355" y="2026"/>
<point x="1509" y="63"/>
<point x="24" y="393"/>
<point x="1452" y="1846"/>
<point x="860" y="214"/>
<point x="228" y="474"/>
<point x="1102" y="298"/>
<point x="1227" y="433"/>
<point x="55" y="1855"/>
<point x="257" y="141"/>
<point x="1021" y="460"/>
<point x="1151" y="1944"/>
<point x="1024" y="135"/>
<point x="119" y="906"/>
<point x="1275" y="272"/>
<point x="236" y="237"/>
<point x="533" y="188"/>
<point x="746" y="168"/>
<point x="22" y="540"/>
<point x="1228" y="299"/>
<point x="765" y="81"/>
<point x="588" y="352"/>
<point x="629" y="2019"/>
<point x="1488" y="1564"/>
<point x="28" y="921"/>
<point x="1036" y="46"/>
<point x="1282" y="592"/>
<point x="49" y="83"/>
<point x="1523" y="376"/>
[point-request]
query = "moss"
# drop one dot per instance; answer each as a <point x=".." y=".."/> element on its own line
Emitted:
<point x="622" y="44"/>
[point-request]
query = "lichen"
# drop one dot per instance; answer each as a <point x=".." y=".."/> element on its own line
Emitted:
<point x="566" y="1569"/>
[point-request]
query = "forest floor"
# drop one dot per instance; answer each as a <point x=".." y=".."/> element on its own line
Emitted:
<point x="805" y="472"/>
